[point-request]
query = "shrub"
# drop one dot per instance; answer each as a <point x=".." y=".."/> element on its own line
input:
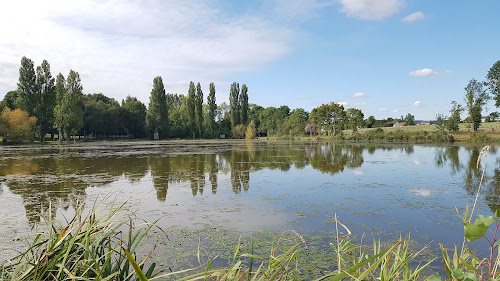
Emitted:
<point x="239" y="131"/>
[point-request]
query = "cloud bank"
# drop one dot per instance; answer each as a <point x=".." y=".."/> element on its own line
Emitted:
<point x="371" y="9"/>
<point x="118" y="47"/>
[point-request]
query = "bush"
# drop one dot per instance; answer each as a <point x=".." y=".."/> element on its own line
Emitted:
<point x="239" y="131"/>
<point x="16" y="125"/>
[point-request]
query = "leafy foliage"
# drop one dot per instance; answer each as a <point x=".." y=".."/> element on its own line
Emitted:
<point x="212" y="108"/>
<point x="328" y="116"/>
<point x="244" y="104"/>
<point x="493" y="81"/>
<point x="69" y="108"/>
<point x="16" y="125"/>
<point x="157" y="116"/>
<point x="27" y="89"/>
<point x="199" y="109"/>
<point x="234" y="104"/>
<point x="475" y="98"/>
<point x="454" y="120"/>
<point x="191" y="107"/>
<point x="47" y="99"/>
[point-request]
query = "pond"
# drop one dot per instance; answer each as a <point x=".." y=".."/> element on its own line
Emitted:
<point x="253" y="186"/>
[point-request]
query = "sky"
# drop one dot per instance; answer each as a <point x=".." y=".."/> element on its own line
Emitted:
<point x="385" y="57"/>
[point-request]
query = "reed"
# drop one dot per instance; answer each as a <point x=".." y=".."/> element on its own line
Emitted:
<point x="96" y="246"/>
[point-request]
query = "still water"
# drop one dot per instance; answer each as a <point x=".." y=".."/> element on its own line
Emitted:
<point x="250" y="186"/>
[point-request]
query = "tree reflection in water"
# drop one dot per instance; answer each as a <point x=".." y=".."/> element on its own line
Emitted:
<point x="61" y="176"/>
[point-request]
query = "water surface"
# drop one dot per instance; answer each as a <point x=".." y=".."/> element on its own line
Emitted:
<point x="251" y="186"/>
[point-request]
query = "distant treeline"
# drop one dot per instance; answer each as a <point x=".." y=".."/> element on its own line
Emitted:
<point x="43" y="105"/>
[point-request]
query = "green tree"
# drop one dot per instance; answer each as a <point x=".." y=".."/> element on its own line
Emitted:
<point x="224" y="118"/>
<point x="493" y="81"/>
<point x="9" y="100"/>
<point x="191" y="107"/>
<point x="60" y="90"/>
<point x="295" y="123"/>
<point x="47" y="99"/>
<point x="234" y="104"/>
<point x="330" y="115"/>
<point x="27" y="90"/>
<point x="493" y="116"/>
<point x="476" y="97"/>
<point x="354" y="118"/>
<point x="370" y="121"/>
<point x="441" y="123"/>
<point x="212" y="111"/>
<point x="157" y="116"/>
<point x="136" y="122"/>
<point x="244" y="104"/>
<point x="69" y="108"/>
<point x="409" y="119"/>
<point x="199" y="109"/>
<point x="453" y="122"/>
<point x="178" y="115"/>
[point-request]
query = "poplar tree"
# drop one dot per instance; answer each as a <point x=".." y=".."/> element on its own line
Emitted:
<point x="27" y="87"/>
<point x="244" y="104"/>
<point x="199" y="108"/>
<point x="69" y="109"/>
<point x="47" y="102"/>
<point x="234" y="104"/>
<point x="58" y="116"/>
<point x="212" y="111"/>
<point x="157" y="117"/>
<point x="191" y="104"/>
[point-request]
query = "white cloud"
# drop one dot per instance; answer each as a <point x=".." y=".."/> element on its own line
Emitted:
<point x="413" y="17"/>
<point x="395" y="111"/>
<point x="371" y="9"/>
<point x="423" y="72"/>
<point x="344" y="103"/>
<point x="358" y="95"/>
<point x="417" y="104"/>
<point x="118" y="47"/>
<point x="383" y="109"/>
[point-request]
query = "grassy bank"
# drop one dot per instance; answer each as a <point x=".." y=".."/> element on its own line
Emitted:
<point x="487" y="133"/>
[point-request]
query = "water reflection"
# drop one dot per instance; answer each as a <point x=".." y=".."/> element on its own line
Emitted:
<point x="464" y="160"/>
<point x="61" y="176"/>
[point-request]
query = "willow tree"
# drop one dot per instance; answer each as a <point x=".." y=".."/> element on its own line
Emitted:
<point x="157" y="117"/>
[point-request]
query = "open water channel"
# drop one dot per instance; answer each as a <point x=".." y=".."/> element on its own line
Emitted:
<point x="253" y="186"/>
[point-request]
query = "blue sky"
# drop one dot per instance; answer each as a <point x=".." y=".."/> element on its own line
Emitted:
<point x="386" y="57"/>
